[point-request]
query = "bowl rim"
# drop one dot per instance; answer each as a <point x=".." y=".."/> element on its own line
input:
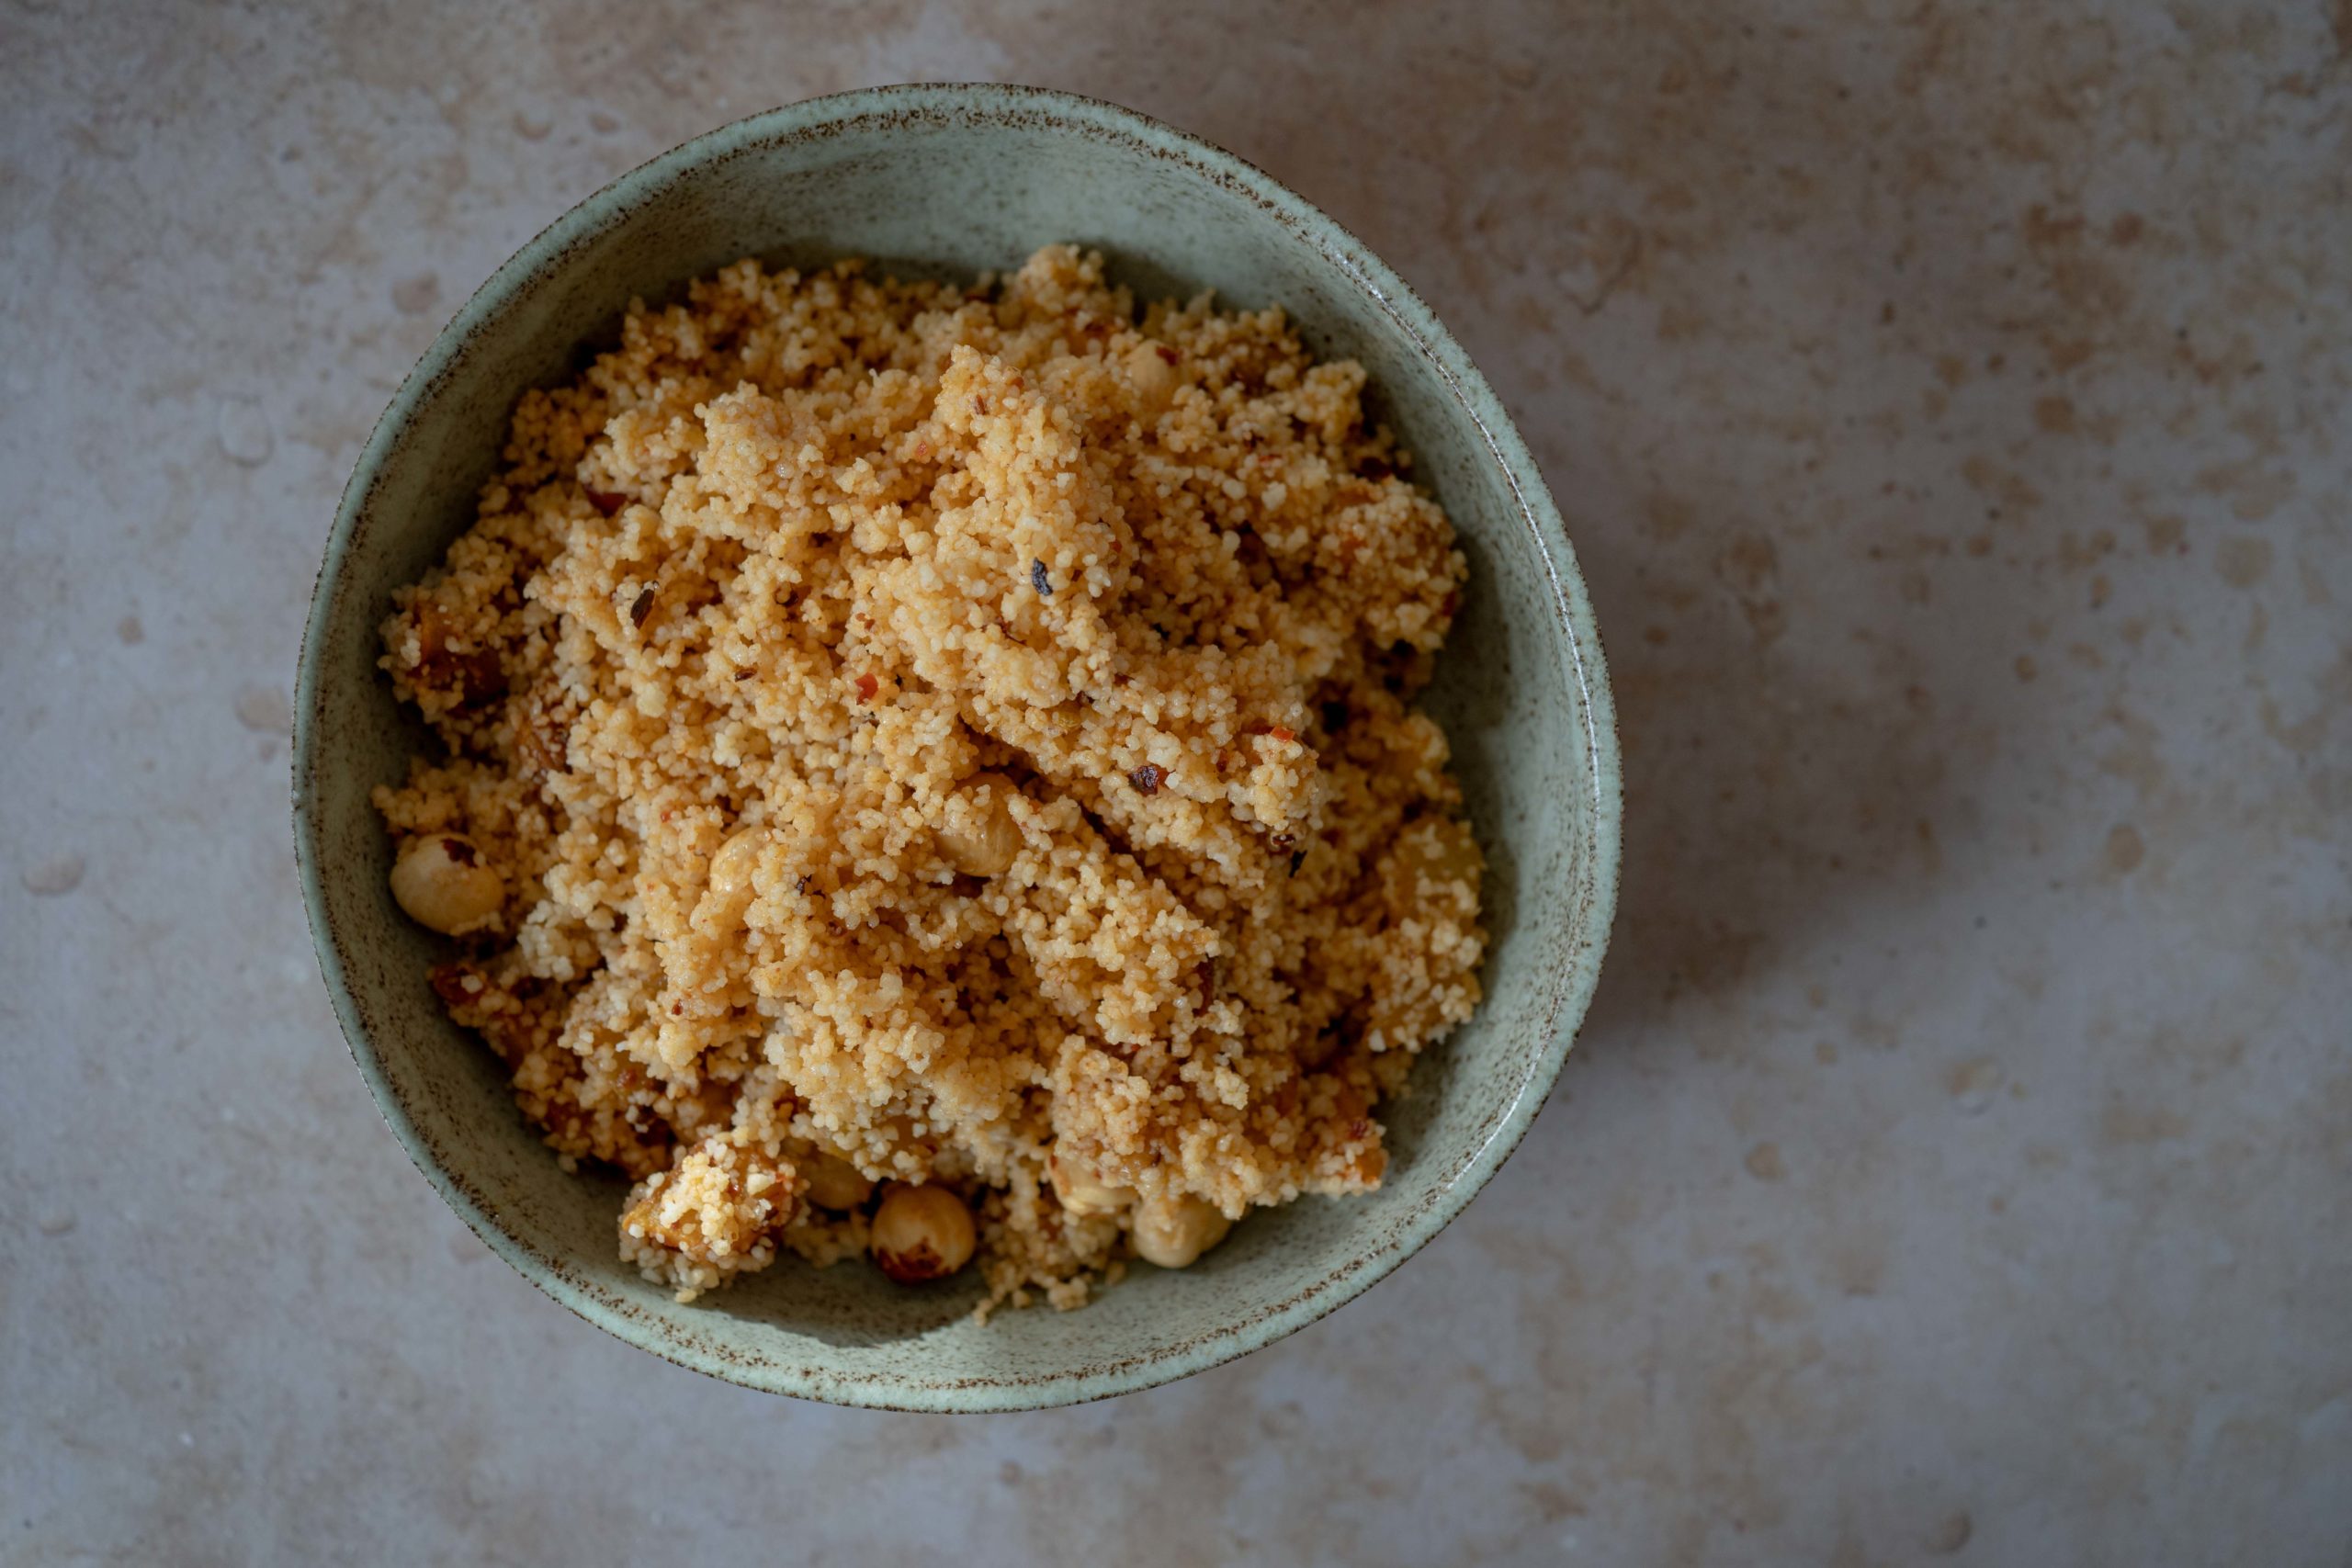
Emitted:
<point x="1592" y="913"/>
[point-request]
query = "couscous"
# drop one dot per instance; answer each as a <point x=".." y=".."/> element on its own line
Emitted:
<point x="931" y="772"/>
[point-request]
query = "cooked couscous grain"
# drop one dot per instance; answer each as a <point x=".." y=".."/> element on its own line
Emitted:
<point x="951" y="737"/>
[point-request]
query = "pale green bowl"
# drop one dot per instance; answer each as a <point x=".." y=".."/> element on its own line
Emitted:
<point x="958" y="179"/>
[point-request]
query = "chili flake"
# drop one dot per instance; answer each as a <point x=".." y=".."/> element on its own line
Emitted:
<point x="1146" y="779"/>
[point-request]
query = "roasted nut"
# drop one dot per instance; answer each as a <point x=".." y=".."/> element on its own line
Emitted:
<point x="1080" y="1193"/>
<point x="444" y="884"/>
<point x="921" y="1233"/>
<point x="979" y="837"/>
<point x="833" y="1183"/>
<point x="1152" y="374"/>
<point x="1172" y="1231"/>
<point x="729" y="891"/>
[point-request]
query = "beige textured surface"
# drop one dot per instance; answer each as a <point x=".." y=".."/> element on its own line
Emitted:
<point x="1949" y="404"/>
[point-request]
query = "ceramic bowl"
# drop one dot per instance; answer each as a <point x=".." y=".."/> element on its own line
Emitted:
<point x="954" y="180"/>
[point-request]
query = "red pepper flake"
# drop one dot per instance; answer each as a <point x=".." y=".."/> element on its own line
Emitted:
<point x="1146" y="779"/>
<point x="1119" y="680"/>
<point x="1282" y="735"/>
<point x="922" y="451"/>
<point x="643" y="608"/>
<point x="606" y="501"/>
<point x="867" y="686"/>
<point x="1166" y="353"/>
<point x="1451" y="605"/>
<point x="459" y="851"/>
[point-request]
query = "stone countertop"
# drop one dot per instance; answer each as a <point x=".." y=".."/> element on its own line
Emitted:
<point x="1950" y="408"/>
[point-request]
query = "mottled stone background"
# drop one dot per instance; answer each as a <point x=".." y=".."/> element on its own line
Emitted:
<point x="1949" y="403"/>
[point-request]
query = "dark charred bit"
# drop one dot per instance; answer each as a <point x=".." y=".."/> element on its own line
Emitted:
<point x="1167" y="352"/>
<point x="1148" y="778"/>
<point x="461" y="851"/>
<point x="745" y="674"/>
<point x="448" y="983"/>
<point x="1038" y="580"/>
<point x="1282" y="842"/>
<point x="481" y="677"/>
<point x="606" y="501"/>
<point x="1297" y="859"/>
<point x="640" y="612"/>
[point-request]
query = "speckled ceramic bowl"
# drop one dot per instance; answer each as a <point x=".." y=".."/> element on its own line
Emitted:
<point x="958" y="179"/>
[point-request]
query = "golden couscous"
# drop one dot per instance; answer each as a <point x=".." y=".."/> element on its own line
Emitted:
<point x="931" y="772"/>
